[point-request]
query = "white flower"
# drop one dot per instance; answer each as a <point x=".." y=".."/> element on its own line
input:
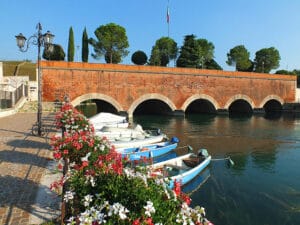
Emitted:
<point x="149" y="208"/>
<point x="86" y="157"/>
<point x="118" y="209"/>
<point x="87" y="200"/>
<point x="69" y="195"/>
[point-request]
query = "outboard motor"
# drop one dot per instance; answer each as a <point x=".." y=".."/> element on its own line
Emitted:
<point x="202" y="153"/>
<point x="174" y="139"/>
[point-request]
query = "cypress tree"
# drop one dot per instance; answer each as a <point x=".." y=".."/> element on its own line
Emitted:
<point x="71" y="46"/>
<point x="85" y="46"/>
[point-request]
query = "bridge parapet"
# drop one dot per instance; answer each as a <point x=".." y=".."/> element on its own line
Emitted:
<point x="127" y="86"/>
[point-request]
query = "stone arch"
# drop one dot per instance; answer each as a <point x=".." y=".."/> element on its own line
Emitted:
<point x="199" y="96"/>
<point x="271" y="97"/>
<point x="149" y="97"/>
<point x="239" y="97"/>
<point x="106" y="98"/>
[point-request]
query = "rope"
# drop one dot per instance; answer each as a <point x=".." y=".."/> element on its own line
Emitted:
<point x="186" y="146"/>
<point x="227" y="158"/>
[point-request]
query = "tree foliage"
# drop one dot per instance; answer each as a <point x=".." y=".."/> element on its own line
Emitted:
<point x="266" y="59"/>
<point x="212" y="65"/>
<point x="205" y="51"/>
<point x="239" y="57"/>
<point x="188" y="56"/>
<point x="57" y="54"/>
<point x="71" y="45"/>
<point x="139" y="57"/>
<point x="195" y="53"/>
<point x="112" y="43"/>
<point x="285" y="72"/>
<point x="164" y="50"/>
<point x="85" y="46"/>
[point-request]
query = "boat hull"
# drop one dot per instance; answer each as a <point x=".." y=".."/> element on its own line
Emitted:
<point x="148" y="151"/>
<point x="185" y="173"/>
<point x="138" y="142"/>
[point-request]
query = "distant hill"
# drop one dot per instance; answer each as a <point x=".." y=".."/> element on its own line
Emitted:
<point x="19" y="68"/>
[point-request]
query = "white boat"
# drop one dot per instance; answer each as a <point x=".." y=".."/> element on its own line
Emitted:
<point x="151" y="150"/>
<point x="108" y="119"/>
<point x="183" y="168"/>
<point x="130" y="137"/>
<point x="134" y="143"/>
<point x="120" y="133"/>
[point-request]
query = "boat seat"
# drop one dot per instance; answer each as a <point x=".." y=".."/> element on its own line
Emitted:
<point x="193" y="161"/>
<point x="175" y="167"/>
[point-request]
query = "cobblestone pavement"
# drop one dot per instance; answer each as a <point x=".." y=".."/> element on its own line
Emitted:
<point x="26" y="172"/>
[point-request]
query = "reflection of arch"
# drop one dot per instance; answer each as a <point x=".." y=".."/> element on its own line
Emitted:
<point x="89" y="96"/>
<point x="150" y="97"/>
<point x="197" y="97"/>
<point x="239" y="97"/>
<point x="271" y="97"/>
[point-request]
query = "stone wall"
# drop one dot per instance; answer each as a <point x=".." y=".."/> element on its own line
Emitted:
<point x="126" y="86"/>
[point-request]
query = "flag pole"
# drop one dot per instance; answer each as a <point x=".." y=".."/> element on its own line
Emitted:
<point x="168" y="19"/>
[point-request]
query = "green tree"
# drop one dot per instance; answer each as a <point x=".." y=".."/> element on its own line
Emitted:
<point x="85" y="46"/>
<point x="205" y="51"/>
<point x="139" y="57"/>
<point x="285" y="72"/>
<point x="113" y="57"/>
<point x="297" y="72"/>
<point x="212" y="65"/>
<point x="112" y="43"/>
<point x="165" y="49"/>
<point x="57" y="53"/>
<point x="71" y="46"/>
<point x="266" y="59"/>
<point x="239" y="57"/>
<point x="189" y="55"/>
<point x="155" y="59"/>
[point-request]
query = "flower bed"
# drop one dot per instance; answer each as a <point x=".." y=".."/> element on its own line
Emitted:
<point x="102" y="188"/>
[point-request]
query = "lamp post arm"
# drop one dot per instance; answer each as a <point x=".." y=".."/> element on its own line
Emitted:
<point x="31" y="40"/>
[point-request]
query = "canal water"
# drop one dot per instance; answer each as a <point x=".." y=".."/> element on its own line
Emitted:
<point x="263" y="186"/>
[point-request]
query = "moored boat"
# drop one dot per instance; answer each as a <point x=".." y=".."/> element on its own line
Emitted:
<point x="183" y="168"/>
<point x="108" y="119"/>
<point x="147" y="151"/>
<point x="130" y="142"/>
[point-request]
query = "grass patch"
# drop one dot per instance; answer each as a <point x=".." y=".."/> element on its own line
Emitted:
<point x="25" y="69"/>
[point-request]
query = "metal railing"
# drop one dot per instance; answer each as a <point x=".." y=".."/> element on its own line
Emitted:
<point x="8" y="99"/>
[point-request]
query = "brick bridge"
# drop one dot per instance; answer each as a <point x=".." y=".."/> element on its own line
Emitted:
<point x="127" y="88"/>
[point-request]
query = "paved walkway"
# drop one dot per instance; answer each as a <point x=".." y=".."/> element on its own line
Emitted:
<point x="26" y="170"/>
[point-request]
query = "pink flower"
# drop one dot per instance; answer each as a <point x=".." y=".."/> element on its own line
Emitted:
<point x="57" y="155"/>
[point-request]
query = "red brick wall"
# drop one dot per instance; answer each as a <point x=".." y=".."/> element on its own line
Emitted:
<point x="127" y="83"/>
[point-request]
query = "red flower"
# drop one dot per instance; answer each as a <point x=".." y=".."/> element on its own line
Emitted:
<point x="84" y="164"/>
<point x="60" y="166"/>
<point x="186" y="198"/>
<point x="177" y="188"/>
<point x="136" y="222"/>
<point x="149" y="221"/>
<point x="57" y="155"/>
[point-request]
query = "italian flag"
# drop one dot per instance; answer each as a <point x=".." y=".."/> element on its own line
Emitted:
<point x="168" y="15"/>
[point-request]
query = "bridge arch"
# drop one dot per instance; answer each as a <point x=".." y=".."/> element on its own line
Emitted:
<point x="239" y="97"/>
<point x="197" y="97"/>
<point x="271" y="97"/>
<point x="99" y="96"/>
<point x="151" y="96"/>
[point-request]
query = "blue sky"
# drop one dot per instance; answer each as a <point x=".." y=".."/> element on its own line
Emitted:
<point x="256" y="24"/>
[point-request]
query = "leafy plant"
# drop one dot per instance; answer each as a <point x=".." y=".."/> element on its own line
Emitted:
<point x="100" y="187"/>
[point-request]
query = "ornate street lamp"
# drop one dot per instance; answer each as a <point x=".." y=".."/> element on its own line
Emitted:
<point x="41" y="40"/>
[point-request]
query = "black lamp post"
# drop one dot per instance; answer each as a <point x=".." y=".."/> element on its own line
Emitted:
<point x="41" y="40"/>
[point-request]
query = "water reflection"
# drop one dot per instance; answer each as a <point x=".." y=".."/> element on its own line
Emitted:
<point x="264" y="160"/>
<point x="263" y="186"/>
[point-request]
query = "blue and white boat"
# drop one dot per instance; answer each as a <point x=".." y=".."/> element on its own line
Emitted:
<point x="149" y="151"/>
<point x="183" y="168"/>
